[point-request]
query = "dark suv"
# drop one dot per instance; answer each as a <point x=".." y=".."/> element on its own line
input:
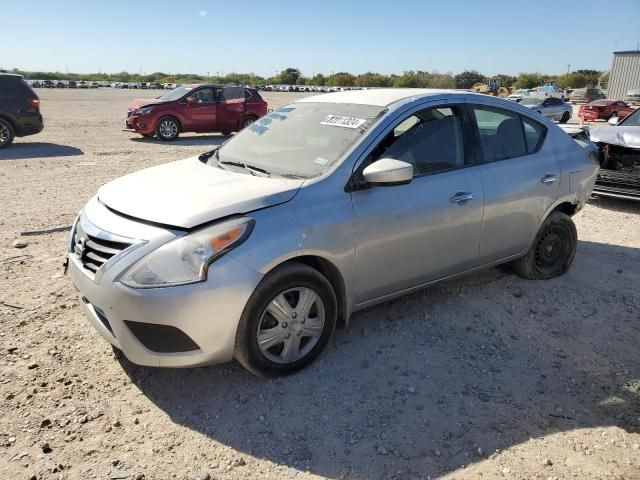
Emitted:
<point x="19" y="109"/>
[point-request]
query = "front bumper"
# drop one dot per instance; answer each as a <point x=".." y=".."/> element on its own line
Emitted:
<point x="205" y="313"/>
<point x="139" y="123"/>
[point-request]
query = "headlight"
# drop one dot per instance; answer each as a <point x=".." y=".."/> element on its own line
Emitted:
<point x="186" y="259"/>
<point x="143" y="111"/>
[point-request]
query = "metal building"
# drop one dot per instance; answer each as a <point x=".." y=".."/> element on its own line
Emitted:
<point x="625" y="74"/>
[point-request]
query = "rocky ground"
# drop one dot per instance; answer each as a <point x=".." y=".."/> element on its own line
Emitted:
<point x="489" y="376"/>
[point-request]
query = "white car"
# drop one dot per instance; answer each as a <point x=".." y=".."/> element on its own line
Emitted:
<point x="519" y="94"/>
<point x="547" y="91"/>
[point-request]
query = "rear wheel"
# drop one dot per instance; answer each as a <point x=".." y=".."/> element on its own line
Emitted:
<point x="287" y="321"/>
<point x="167" y="129"/>
<point x="247" y="121"/>
<point x="614" y="114"/>
<point x="6" y="133"/>
<point x="565" y="117"/>
<point x="553" y="250"/>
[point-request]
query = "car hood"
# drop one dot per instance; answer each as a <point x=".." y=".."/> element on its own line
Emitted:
<point x="622" y="136"/>
<point x="188" y="193"/>
<point x="141" y="102"/>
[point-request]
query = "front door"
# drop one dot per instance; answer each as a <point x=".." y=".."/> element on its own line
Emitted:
<point x="520" y="175"/>
<point x="201" y="114"/>
<point x="407" y="235"/>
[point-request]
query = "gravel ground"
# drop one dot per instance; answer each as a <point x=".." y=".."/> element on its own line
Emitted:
<point x="489" y="376"/>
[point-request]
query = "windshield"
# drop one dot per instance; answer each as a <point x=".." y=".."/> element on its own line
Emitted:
<point x="632" y="120"/>
<point x="530" y="101"/>
<point x="176" y="93"/>
<point x="302" y="139"/>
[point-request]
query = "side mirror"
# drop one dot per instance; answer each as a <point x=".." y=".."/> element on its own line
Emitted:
<point x="388" y="171"/>
<point x="191" y="101"/>
<point x="613" y="121"/>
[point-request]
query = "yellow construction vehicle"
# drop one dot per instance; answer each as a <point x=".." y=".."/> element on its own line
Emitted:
<point x="493" y="86"/>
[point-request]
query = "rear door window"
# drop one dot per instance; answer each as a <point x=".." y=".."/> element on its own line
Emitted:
<point x="501" y="133"/>
<point x="534" y="134"/>
<point x="231" y="93"/>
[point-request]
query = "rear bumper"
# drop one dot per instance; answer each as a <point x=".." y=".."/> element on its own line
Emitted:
<point x="29" y="125"/>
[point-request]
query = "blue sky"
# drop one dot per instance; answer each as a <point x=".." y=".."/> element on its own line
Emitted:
<point x="189" y="36"/>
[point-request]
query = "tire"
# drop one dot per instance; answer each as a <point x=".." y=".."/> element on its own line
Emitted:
<point x="247" y="121"/>
<point x="274" y="308"/>
<point x="6" y="133"/>
<point x="565" y="117"/>
<point x="614" y="114"/>
<point x="553" y="249"/>
<point x="167" y="129"/>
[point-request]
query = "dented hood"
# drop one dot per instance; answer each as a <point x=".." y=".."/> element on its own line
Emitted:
<point x="623" y="136"/>
<point x="188" y="193"/>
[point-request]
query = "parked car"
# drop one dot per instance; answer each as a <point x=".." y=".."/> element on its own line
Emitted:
<point x="196" y="108"/>
<point x="254" y="250"/>
<point x="48" y="84"/>
<point x="72" y="84"/>
<point x="61" y="84"/>
<point x="604" y="110"/>
<point x="19" y="109"/>
<point x="550" y="91"/>
<point x="35" y="83"/>
<point x="519" y="94"/>
<point x="586" y="95"/>
<point x="633" y="97"/>
<point x="551" y="107"/>
<point x="619" y="147"/>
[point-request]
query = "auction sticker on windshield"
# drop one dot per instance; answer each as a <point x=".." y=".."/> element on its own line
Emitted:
<point x="346" y="122"/>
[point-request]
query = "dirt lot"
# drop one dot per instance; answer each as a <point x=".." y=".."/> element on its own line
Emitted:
<point x="489" y="376"/>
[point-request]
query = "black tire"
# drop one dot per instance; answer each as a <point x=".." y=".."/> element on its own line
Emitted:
<point x="553" y="249"/>
<point x="6" y="133"/>
<point x="280" y="281"/>
<point x="167" y="128"/>
<point x="247" y="121"/>
<point x="565" y="117"/>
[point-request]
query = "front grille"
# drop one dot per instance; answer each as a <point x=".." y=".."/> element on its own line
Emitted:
<point x="92" y="251"/>
<point x="618" y="182"/>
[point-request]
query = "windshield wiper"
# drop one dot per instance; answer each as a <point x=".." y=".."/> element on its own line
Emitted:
<point x="250" y="168"/>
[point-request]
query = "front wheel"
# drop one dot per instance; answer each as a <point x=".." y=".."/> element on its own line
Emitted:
<point x="167" y="129"/>
<point x="6" y="133"/>
<point x="553" y="250"/>
<point x="287" y="322"/>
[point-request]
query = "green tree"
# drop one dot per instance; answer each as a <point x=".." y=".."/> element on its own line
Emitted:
<point x="318" y="80"/>
<point x="341" y="79"/>
<point x="287" y="77"/>
<point x="468" y="79"/>
<point x="529" y="80"/>
<point x="370" y="79"/>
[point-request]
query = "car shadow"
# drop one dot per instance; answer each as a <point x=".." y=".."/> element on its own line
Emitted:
<point x="419" y="384"/>
<point x="190" y="141"/>
<point x="30" y="150"/>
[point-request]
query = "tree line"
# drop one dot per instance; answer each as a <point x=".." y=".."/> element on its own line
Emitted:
<point x="293" y="76"/>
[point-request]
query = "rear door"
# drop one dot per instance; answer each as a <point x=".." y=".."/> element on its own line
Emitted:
<point x="520" y="176"/>
<point x="231" y="108"/>
<point x="201" y="116"/>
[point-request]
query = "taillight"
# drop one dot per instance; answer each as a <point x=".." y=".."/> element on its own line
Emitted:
<point x="34" y="102"/>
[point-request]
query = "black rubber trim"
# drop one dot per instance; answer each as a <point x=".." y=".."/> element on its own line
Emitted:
<point x="161" y="338"/>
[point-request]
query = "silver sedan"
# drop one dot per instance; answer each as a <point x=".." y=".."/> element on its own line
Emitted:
<point x="551" y="107"/>
<point x="334" y="203"/>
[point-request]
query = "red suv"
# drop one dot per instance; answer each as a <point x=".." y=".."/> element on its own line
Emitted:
<point x="196" y="108"/>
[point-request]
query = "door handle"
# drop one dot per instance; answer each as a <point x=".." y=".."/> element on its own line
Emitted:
<point x="549" y="178"/>
<point x="461" y="197"/>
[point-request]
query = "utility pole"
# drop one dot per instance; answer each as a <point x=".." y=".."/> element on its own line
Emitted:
<point x="568" y="67"/>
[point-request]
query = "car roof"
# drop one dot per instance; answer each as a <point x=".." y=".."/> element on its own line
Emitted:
<point x="7" y="74"/>
<point x="381" y="97"/>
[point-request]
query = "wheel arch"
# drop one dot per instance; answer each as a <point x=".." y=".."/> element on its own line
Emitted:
<point x="332" y="273"/>
<point x="244" y="117"/>
<point x="11" y="121"/>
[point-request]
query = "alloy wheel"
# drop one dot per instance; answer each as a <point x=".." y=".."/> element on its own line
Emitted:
<point x="291" y="325"/>
<point x="4" y="134"/>
<point x="168" y="129"/>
